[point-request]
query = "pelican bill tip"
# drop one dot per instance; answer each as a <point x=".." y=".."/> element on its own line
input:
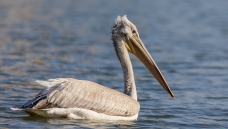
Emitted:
<point x="172" y="95"/>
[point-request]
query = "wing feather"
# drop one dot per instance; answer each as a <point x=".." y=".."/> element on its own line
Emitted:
<point x="72" y="93"/>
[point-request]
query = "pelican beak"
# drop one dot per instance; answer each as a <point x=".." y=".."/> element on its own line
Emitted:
<point x="136" y="47"/>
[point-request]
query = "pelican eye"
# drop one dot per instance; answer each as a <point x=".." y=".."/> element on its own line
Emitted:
<point x="134" y="32"/>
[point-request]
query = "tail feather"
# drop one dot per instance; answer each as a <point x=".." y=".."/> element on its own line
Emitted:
<point x="17" y="108"/>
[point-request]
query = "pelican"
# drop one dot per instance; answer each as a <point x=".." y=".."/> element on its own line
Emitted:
<point x="81" y="99"/>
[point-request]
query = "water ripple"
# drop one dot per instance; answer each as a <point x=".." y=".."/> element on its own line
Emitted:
<point x="42" y="39"/>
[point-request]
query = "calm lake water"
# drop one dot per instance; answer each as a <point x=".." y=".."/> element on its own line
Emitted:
<point x="43" y="39"/>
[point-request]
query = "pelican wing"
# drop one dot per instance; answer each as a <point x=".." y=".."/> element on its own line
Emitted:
<point x="72" y="93"/>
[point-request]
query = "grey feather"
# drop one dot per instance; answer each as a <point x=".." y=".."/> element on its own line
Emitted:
<point x="72" y="93"/>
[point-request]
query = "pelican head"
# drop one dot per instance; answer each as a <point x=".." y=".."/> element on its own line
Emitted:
<point x="125" y="33"/>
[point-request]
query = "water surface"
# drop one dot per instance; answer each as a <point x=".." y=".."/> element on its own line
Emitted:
<point x="42" y="39"/>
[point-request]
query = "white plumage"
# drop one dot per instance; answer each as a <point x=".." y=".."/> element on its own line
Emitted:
<point x="81" y="99"/>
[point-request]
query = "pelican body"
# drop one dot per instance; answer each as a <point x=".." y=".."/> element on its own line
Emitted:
<point x="81" y="99"/>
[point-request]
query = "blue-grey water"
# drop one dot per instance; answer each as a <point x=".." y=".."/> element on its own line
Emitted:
<point x="46" y="39"/>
